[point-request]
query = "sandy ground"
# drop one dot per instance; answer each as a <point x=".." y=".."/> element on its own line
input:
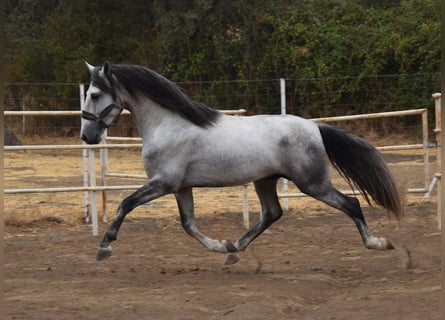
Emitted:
<point x="310" y="265"/>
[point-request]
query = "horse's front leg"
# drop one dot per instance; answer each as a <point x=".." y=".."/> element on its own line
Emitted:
<point x="152" y="190"/>
<point x="184" y="199"/>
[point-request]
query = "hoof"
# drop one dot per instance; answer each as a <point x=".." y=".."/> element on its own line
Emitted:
<point x="379" y="244"/>
<point x="389" y="246"/>
<point x="385" y="244"/>
<point x="103" y="253"/>
<point x="231" y="258"/>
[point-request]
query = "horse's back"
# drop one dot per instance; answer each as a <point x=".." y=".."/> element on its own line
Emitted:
<point x="277" y="133"/>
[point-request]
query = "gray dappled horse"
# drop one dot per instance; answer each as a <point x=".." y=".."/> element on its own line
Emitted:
<point x="186" y="144"/>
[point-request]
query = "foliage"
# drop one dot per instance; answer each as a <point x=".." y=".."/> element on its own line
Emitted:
<point x="331" y="50"/>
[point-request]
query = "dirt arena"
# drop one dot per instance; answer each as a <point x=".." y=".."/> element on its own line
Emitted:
<point x="310" y="265"/>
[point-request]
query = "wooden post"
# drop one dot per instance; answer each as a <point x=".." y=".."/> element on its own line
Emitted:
<point x="104" y="171"/>
<point x="425" y="149"/>
<point x="246" y="220"/>
<point x="94" y="221"/>
<point x="23" y="116"/>
<point x="283" y="112"/>
<point x="438" y="174"/>
<point x="86" y="201"/>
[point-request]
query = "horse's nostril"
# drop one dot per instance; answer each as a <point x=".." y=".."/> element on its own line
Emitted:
<point x="84" y="138"/>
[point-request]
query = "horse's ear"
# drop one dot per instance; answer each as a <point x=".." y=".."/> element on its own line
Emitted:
<point x="107" y="70"/>
<point x="90" y="67"/>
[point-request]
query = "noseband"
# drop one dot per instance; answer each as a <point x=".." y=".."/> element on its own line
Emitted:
<point x="100" y="118"/>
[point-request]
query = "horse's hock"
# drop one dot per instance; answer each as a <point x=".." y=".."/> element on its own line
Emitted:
<point x="11" y="139"/>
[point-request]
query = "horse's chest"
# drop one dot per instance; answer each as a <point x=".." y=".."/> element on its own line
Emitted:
<point x="158" y="159"/>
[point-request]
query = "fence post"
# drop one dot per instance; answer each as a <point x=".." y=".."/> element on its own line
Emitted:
<point x="24" y="116"/>
<point x="246" y="219"/>
<point x="84" y="160"/>
<point x="104" y="171"/>
<point x="438" y="174"/>
<point x="283" y="112"/>
<point x="425" y="148"/>
<point x="89" y="176"/>
<point x="91" y="155"/>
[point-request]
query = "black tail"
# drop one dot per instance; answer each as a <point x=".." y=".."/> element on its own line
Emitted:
<point x="362" y="166"/>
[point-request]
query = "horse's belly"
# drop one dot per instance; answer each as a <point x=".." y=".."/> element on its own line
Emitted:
<point x="226" y="172"/>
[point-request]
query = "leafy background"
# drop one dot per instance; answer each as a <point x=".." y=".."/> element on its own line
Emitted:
<point x="338" y="57"/>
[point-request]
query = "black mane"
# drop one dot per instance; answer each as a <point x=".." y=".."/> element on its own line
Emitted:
<point x="140" y="80"/>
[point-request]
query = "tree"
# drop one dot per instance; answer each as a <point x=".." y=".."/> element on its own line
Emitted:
<point x="331" y="48"/>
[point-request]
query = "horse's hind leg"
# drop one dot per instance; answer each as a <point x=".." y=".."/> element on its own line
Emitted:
<point x="270" y="209"/>
<point x="351" y="206"/>
<point x="184" y="199"/>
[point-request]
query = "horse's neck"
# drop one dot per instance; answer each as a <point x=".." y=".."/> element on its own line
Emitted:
<point x="150" y="117"/>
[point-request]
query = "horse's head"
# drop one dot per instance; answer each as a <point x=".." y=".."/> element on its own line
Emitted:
<point x="101" y="108"/>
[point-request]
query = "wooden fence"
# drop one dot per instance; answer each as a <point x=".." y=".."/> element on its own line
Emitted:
<point x="90" y="188"/>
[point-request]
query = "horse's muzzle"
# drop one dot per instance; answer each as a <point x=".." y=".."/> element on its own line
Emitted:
<point x="96" y="139"/>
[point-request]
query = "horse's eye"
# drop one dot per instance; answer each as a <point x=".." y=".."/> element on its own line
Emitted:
<point x="95" y="96"/>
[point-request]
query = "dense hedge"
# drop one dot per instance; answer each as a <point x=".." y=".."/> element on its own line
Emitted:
<point x="339" y="56"/>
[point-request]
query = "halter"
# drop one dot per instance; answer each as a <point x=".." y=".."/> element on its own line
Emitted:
<point x="100" y="118"/>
